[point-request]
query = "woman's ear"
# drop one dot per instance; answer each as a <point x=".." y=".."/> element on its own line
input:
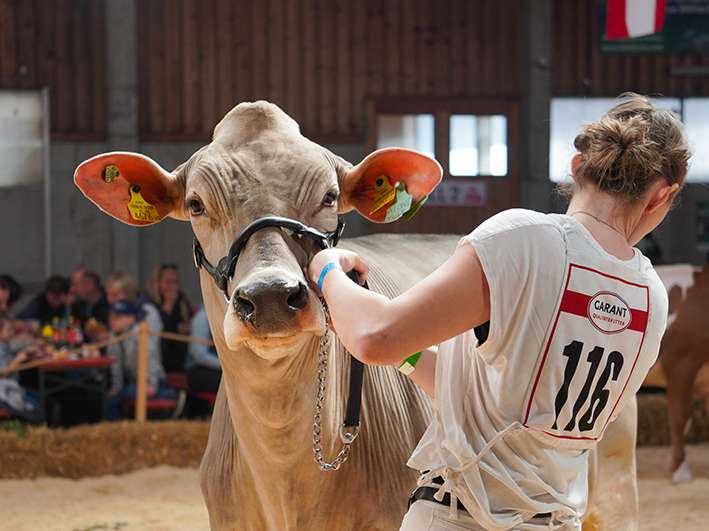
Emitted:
<point x="575" y="163"/>
<point x="388" y="184"/>
<point x="131" y="187"/>
<point x="660" y="194"/>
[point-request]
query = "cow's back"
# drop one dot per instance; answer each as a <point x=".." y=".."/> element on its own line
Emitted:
<point x="398" y="261"/>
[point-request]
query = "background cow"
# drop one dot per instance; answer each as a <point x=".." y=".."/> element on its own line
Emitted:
<point x="682" y="365"/>
<point x="258" y="471"/>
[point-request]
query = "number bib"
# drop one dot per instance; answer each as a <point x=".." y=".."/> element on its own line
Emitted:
<point x="590" y="357"/>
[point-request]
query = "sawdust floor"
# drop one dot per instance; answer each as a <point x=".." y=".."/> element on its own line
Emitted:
<point x="167" y="498"/>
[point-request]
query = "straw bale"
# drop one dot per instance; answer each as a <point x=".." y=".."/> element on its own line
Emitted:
<point x="653" y="422"/>
<point x="100" y="449"/>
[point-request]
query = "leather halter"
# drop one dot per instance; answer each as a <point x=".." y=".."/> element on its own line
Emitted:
<point x="224" y="271"/>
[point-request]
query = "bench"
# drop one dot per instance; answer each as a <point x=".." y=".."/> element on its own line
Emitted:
<point x="206" y="396"/>
<point x="156" y="405"/>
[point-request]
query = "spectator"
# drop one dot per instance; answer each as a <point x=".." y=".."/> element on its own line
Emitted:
<point x="10" y="292"/>
<point x="13" y="397"/>
<point x="49" y="307"/>
<point x="175" y="312"/>
<point x="121" y="286"/>
<point x="202" y="363"/>
<point x="4" y="297"/>
<point x="90" y="304"/>
<point x="125" y="316"/>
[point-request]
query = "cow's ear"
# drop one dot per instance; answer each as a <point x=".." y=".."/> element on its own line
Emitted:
<point x="388" y="184"/>
<point x="131" y="187"/>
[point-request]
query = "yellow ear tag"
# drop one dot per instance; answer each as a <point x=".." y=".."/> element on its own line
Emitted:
<point x="139" y="208"/>
<point x="111" y="173"/>
<point x="384" y="193"/>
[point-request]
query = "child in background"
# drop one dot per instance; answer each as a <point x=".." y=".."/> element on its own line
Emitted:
<point x="125" y="316"/>
<point x="12" y="396"/>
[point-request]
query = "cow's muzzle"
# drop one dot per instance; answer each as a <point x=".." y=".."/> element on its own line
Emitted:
<point x="224" y="271"/>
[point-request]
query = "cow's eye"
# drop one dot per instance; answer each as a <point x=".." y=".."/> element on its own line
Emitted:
<point x="195" y="206"/>
<point x="330" y="199"/>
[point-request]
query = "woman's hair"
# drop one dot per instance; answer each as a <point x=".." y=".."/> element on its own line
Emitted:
<point x="8" y="283"/>
<point x="152" y="284"/>
<point x="632" y="146"/>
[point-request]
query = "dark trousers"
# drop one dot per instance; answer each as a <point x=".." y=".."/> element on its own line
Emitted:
<point x="200" y="380"/>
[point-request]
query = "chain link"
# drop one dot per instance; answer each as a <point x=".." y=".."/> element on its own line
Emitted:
<point x="347" y="437"/>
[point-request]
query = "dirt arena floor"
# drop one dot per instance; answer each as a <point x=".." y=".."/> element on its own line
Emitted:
<point x="168" y="499"/>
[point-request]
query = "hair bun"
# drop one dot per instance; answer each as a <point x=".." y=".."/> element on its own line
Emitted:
<point x="618" y="155"/>
<point x="630" y="147"/>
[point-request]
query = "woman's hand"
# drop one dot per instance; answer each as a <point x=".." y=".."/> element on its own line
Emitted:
<point x="347" y="260"/>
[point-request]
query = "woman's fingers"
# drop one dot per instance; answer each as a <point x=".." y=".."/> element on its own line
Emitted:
<point x="362" y="268"/>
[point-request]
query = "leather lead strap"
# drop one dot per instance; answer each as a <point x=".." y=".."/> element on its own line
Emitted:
<point x="354" y="396"/>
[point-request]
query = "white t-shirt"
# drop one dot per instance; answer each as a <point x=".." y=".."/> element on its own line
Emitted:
<point x="573" y="332"/>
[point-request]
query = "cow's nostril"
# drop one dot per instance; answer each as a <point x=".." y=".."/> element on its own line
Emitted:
<point x="299" y="297"/>
<point x="244" y="307"/>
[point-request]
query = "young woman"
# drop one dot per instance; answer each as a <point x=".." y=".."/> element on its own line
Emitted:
<point x="175" y="311"/>
<point x="575" y="317"/>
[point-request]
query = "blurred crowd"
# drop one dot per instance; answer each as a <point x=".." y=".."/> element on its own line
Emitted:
<point x="71" y="315"/>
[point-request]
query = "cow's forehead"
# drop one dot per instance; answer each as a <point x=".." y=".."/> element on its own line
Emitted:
<point x="249" y="121"/>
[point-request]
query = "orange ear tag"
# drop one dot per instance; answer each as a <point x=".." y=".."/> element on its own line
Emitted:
<point x="384" y="193"/>
<point x="139" y="208"/>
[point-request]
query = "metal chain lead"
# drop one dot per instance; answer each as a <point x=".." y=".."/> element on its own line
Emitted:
<point x="347" y="437"/>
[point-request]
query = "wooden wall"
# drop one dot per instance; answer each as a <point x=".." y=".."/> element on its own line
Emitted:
<point x="59" y="44"/>
<point x="318" y="59"/>
<point x="580" y="69"/>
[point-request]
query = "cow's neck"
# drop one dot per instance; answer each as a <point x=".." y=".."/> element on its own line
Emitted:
<point x="271" y="407"/>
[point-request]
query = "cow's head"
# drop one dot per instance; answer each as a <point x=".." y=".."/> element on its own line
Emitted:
<point x="258" y="164"/>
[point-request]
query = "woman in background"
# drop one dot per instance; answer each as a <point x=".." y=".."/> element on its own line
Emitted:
<point x="175" y="313"/>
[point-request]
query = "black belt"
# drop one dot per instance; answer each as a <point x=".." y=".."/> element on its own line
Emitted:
<point x="428" y="494"/>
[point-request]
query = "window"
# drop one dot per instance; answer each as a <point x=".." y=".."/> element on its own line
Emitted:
<point x="696" y="125"/>
<point x="478" y="145"/>
<point x="569" y="114"/>
<point x="412" y="131"/>
<point x="468" y="138"/>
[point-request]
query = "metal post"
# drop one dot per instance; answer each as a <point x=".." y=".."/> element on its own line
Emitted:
<point x="141" y="388"/>
<point x="47" y="185"/>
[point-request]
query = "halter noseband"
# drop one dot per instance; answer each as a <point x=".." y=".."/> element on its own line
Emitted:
<point x="224" y="271"/>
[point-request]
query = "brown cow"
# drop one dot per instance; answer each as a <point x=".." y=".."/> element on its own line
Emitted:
<point x="684" y="354"/>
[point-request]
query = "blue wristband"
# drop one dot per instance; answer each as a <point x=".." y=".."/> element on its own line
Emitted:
<point x="325" y="270"/>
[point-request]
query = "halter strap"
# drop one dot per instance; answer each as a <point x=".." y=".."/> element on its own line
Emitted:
<point x="224" y="270"/>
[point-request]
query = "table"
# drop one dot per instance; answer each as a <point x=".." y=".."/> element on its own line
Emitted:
<point x="54" y="378"/>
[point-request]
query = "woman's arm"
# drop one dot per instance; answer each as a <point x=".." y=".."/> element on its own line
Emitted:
<point x="379" y="331"/>
<point x="425" y="373"/>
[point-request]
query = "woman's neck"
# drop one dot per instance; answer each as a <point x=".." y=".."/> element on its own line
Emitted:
<point x="599" y="214"/>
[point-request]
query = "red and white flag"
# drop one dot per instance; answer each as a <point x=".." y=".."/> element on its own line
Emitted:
<point x="626" y="19"/>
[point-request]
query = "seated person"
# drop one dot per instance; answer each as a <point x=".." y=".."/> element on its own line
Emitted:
<point x="90" y="304"/>
<point x="125" y="316"/>
<point x="50" y="306"/>
<point x="13" y="397"/>
<point x="202" y="364"/>
<point x="10" y="293"/>
<point x="121" y="286"/>
<point x="175" y="312"/>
